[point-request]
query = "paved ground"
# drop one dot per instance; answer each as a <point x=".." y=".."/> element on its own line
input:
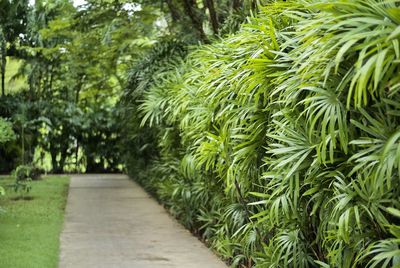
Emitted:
<point x="111" y="222"/>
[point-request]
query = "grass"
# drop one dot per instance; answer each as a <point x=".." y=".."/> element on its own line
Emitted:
<point x="30" y="227"/>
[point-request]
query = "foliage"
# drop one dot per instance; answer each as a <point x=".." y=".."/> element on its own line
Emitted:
<point x="26" y="120"/>
<point x="25" y="172"/>
<point x="279" y="144"/>
<point x="24" y="175"/>
<point x="13" y="15"/>
<point x="75" y="61"/>
<point x="137" y="145"/>
<point x="13" y="81"/>
<point x="201" y="21"/>
<point x="6" y="134"/>
<point x="6" y="131"/>
<point x="74" y="74"/>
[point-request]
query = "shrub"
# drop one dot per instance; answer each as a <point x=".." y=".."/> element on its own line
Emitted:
<point x="6" y="134"/>
<point x="280" y="144"/>
<point x="25" y="172"/>
<point x="6" y="131"/>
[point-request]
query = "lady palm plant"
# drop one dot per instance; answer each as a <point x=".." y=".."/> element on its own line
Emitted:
<point x="280" y="143"/>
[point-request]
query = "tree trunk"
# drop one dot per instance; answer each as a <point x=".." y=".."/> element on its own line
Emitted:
<point x="62" y="160"/>
<point x="77" y="92"/>
<point x="3" y="65"/>
<point x="39" y="86"/>
<point x="45" y="81"/>
<point x="31" y="85"/>
<point x="77" y="156"/>
<point x="213" y="16"/>
<point x="50" y="89"/>
<point x="54" y="164"/>
<point x="173" y="10"/>
<point x="190" y="8"/>
<point x="79" y="88"/>
<point x="236" y="5"/>
<point x="23" y="143"/>
<point x="3" y="77"/>
<point x="254" y="5"/>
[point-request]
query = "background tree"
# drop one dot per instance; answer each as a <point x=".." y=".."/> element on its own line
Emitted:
<point x="13" y="20"/>
<point x="75" y="63"/>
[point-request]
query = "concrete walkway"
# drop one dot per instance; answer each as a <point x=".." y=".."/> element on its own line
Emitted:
<point x="111" y="222"/>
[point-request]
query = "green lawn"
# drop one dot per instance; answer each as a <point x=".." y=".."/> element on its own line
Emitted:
<point x="29" y="229"/>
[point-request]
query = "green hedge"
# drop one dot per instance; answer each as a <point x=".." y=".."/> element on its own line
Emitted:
<point x="280" y="144"/>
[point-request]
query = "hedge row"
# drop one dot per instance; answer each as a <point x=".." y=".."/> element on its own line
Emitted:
<point x="280" y="144"/>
